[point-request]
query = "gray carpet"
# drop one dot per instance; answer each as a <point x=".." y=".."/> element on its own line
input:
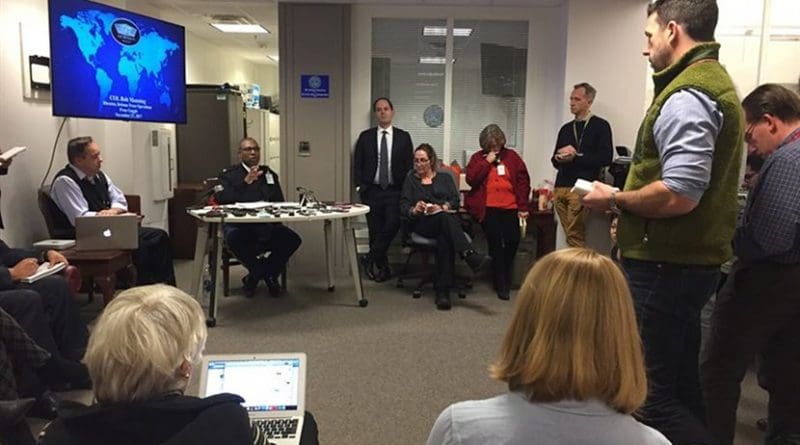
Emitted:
<point x="382" y="374"/>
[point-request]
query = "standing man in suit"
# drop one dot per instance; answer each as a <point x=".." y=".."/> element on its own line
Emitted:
<point x="382" y="158"/>
<point x="249" y="182"/>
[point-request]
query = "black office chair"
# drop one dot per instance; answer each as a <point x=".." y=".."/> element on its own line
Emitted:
<point x="416" y="244"/>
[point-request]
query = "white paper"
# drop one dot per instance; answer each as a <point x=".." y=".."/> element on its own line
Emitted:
<point x="44" y="270"/>
<point x="11" y="153"/>
<point x="582" y="187"/>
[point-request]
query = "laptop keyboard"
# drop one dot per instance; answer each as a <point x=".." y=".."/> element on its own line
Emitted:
<point x="281" y="428"/>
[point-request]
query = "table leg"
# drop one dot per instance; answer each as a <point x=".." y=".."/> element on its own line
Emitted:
<point x="213" y="265"/>
<point x="200" y="250"/>
<point x="329" y="254"/>
<point x="352" y="251"/>
<point x="107" y="285"/>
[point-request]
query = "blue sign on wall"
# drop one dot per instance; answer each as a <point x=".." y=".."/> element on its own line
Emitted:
<point x="314" y="85"/>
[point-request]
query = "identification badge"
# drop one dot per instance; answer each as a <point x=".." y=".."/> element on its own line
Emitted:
<point x="501" y="170"/>
<point x="270" y="179"/>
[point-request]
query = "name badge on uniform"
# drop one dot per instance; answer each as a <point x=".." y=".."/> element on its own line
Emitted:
<point x="501" y="170"/>
<point x="270" y="179"/>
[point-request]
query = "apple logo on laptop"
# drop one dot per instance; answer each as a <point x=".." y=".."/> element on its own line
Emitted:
<point x="107" y="233"/>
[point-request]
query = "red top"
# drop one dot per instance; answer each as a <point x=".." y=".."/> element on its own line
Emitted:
<point x="499" y="191"/>
<point x="478" y="172"/>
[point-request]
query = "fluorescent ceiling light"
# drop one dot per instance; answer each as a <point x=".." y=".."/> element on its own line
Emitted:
<point x="441" y="31"/>
<point x="427" y="74"/>
<point x="426" y="84"/>
<point x="433" y="60"/>
<point x="240" y="28"/>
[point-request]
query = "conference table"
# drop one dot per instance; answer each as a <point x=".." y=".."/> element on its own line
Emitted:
<point x="209" y="235"/>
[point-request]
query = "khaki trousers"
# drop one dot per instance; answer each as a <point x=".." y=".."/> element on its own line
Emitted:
<point x="572" y="215"/>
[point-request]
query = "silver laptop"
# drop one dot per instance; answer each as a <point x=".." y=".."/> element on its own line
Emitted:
<point x="107" y="232"/>
<point x="273" y="387"/>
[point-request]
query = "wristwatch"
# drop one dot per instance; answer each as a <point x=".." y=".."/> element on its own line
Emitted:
<point x="612" y="203"/>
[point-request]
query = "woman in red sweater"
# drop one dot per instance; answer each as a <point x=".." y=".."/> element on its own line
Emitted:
<point x="498" y="199"/>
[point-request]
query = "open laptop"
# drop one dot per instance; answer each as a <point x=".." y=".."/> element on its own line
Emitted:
<point x="273" y="387"/>
<point x="107" y="232"/>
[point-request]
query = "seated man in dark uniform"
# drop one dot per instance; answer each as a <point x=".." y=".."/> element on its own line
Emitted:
<point x="81" y="189"/>
<point x="250" y="182"/>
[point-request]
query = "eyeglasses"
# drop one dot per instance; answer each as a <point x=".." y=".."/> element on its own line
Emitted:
<point x="248" y="148"/>
<point x="748" y="132"/>
<point x="421" y="161"/>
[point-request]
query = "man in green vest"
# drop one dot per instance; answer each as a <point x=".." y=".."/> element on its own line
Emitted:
<point x="678" y="208"/>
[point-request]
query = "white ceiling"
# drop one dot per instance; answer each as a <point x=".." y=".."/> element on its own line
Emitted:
<point x="195" y="16"/>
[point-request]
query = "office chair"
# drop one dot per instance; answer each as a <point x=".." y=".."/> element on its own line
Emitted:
<point x="416" y="244"/>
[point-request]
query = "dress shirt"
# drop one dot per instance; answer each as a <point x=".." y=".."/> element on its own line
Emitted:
<point x="685" y="134"/>
<point x="389" y="133"/>
<point x="68" y="196"/>
<point x="769" y="230"/>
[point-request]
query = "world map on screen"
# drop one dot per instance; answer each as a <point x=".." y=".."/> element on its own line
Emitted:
<point x="131" y="65"/>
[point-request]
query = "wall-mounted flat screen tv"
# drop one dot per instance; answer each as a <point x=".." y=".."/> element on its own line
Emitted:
<point x="108" y="63"/>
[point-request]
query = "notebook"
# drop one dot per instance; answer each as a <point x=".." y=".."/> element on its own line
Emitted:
<point x="273" y="387"/>
<point x="107" y="232"/>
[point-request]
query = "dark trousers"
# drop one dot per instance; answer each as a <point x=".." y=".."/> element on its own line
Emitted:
<point x="668" y="299"/>
<point x="757" y="312"/>
<point x="153" y="258"/>
<point x="501" y="228"/>
<point x="249" y="242"/>
<point x="17" y="350"/>
<point x="450" y="239"/>
<point x="48" y="314"/>
<point x="383" y="220"/>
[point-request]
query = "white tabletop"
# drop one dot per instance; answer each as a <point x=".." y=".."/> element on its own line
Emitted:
<point x="294" y="214"/>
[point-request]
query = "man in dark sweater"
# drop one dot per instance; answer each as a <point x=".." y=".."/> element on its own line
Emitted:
<point x="582" y="149"/>
<point x="82" y="189"/>
<point x="250" y="182"/>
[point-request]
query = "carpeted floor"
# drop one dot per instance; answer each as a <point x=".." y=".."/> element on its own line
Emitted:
<point x="382" y="374"/>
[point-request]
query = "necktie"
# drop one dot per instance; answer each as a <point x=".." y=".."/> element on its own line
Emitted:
<point x="383" y="168"/>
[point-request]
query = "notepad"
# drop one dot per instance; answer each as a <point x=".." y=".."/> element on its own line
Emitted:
<point x="44" y="270"/>
<point x="7" y="155"/>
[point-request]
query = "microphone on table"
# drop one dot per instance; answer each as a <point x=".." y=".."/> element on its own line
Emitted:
<point x="202" y="201"/>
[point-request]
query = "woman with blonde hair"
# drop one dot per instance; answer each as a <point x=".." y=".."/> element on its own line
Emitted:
<point x="572" y="359"/>
<point x="141" y="355"/>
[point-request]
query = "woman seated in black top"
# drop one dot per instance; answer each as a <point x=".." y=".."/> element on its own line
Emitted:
<point x="141" y="356"/>
<point x="428" y="201"/>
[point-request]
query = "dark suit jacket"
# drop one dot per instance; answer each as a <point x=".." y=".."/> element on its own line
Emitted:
<point x="236" y="190"/>
<point x="365" y="158"/>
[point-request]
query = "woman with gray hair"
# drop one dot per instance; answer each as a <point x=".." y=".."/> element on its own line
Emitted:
<point x="499" y="198"/>
<point x="141" y="355"/>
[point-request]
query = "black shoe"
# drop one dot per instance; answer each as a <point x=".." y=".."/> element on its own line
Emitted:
<point x="383" y="274"/>
<point x="273" y="286"/>
<point x="46" y="406"/>
<point x="475" y="260"/>
<point x="249" y="286"/>
<point x="503" y="294"/>
<point x="368" y="266"/>
<point x="443" y="301"/>
<point x="12" y="411"/>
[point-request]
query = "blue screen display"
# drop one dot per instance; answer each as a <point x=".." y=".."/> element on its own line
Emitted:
<point x="109" y="63"/>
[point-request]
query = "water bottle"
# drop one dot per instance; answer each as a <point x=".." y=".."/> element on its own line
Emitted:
<point x="207" y="284"/>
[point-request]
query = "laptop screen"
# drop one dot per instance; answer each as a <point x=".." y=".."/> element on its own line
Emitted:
<point x="265" y="385"/>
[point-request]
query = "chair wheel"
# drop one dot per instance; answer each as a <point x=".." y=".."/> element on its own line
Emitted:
<point x="416" y="294"/>
<point x="211" y="322"/>
<point x="462" y="295"/>
<point x="363" y="303"/>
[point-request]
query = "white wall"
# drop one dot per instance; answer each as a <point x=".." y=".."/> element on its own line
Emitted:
<point x="124" y="145"/>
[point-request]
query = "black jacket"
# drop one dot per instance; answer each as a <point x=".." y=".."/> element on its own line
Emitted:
<point x="236" y="190"/>
<point x="9" y="257"/>
<point x="365" y="157"/>
<point x="175" y="420"/>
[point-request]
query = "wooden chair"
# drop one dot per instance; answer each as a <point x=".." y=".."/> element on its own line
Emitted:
<point x="97" y="267"/>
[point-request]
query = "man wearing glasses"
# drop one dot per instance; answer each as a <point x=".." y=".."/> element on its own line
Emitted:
<point x="678" y="208"/>
<point x="250" y="182"/>
<point x="758" y="309"/>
